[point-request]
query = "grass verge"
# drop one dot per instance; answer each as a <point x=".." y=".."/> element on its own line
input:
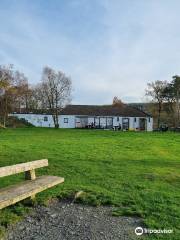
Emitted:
<point x="138" y="173"/>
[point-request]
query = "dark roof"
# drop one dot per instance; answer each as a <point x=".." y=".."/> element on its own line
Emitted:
<point x="32" y="111"/>
<point x="104" y="110"/>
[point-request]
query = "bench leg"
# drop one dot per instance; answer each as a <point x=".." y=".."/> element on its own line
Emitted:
<point x="30" y="175"/>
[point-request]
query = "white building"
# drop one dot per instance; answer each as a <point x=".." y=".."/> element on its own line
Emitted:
<point x="121" y="117"/>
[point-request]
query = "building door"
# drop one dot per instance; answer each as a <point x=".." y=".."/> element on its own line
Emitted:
<point x="142" y="124"/>
<point x="125" y="123"/>
<point x="109" y="122"/>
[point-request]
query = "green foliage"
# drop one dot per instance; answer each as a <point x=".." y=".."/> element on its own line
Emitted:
<point x="138" y="173"/>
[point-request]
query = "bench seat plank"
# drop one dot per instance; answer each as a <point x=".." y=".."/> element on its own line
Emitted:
<point x="16" y="193"/>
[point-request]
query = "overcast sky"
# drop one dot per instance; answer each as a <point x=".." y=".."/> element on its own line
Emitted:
<point x="108" y="47"/>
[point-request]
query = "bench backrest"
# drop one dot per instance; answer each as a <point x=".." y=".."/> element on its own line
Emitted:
<point x="22" y="167"/>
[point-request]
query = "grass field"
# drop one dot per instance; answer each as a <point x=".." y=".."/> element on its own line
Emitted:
<point x="138" y="173"/>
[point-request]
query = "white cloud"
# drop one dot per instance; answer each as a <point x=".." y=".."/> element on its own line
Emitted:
<point x="108" y="47"/>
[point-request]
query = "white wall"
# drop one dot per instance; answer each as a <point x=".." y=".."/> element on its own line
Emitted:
<point x="135" y="123"/>
<point x="38" y="121"/>
<point x="69" y="124"/>
<point x="149" y="124"/>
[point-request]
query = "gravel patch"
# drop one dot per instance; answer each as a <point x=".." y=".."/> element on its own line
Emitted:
<point x="70" y="221"/>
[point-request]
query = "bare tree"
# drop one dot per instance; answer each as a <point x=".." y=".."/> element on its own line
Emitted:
<point x="22" y="91"/>
<point x="33" y="97"/>
<point x="155" y="90"/>
<point x="55" y="91"/>
<point x="6" y="82"/>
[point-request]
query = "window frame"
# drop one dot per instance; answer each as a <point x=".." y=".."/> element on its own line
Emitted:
<point x="66" y="120"/>
<point x="45" y="118"/>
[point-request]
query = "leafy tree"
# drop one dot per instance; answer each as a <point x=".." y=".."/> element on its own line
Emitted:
<point x="14" y="90"/>
<point x="176" y="95"/>
<point x="6" y="90"/>
<point x="117" y="101"/>
<point x="169" y="103"/>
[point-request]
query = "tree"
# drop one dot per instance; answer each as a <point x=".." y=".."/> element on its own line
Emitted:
<point x="33" y="97"/>
<point x="171" y="95"/>
<point x="117" y="101"/>
<point x="169" y="103"/>
<point x="14" y="91"/>
<point x="176" y="95"/>
<point x="55" y="91"/>
<point x="6" y="82"/>
<point x="22" y="91"/>
<point x="156" y="91"/>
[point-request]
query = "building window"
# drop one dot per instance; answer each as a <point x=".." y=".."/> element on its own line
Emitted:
<point x="134" y="119"/>
<point x="149" y="119"/>
<point x="65" y="120"/>
<point x="45" y="119"/>
<point x="117" y="119"/>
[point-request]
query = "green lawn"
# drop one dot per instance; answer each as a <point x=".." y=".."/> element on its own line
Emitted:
<point x="139" y="173"/>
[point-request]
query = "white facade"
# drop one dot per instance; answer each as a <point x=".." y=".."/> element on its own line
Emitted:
<point x="67" y="121"/>
<point x="73" y="121"/>
<point x="149" y="124"/>
<point x="38" y="120"/>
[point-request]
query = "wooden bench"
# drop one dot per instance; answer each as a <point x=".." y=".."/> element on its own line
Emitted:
<point x="15" y="193"/>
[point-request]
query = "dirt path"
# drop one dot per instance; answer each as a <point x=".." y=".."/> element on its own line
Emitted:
<point x="68" y="221"/>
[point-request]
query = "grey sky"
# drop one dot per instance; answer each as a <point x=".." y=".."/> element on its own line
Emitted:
<point x="107" y="47"/>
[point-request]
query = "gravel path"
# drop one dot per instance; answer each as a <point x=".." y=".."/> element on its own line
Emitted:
<point x="69" y="221"/>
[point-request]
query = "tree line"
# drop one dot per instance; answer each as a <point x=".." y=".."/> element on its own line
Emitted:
<point x="51" y="94"/>
<point x="54" y="90"/>
<point x="166" y="96"/>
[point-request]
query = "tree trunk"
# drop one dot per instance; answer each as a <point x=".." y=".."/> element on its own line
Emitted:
<point x="55" y="120"/>
<point x="159" y="113"/>
<point x="26" y="103"/>
<point x="171" y="112"/>
<point x="4" y="121"/>
<point x="5" y="111"/>
<point x="178" y="110"/>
